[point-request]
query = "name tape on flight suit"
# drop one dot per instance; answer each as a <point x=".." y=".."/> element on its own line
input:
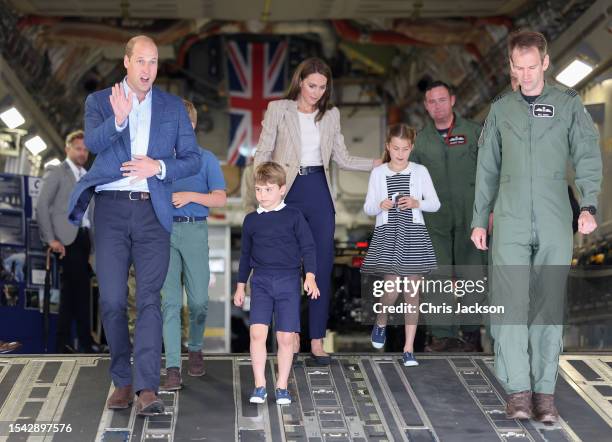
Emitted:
<point x="455" y="140"/>
<point x="543" y="110"/>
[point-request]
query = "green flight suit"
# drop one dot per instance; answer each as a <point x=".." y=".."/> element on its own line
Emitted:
<point x="451" y="162"/>
<point x="523" y="155"/>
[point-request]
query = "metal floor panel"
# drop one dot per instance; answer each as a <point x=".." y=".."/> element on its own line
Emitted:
<point x="360" y="397"/>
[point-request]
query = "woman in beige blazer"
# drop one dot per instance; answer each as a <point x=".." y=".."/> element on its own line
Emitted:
<point x="302" y="133"/>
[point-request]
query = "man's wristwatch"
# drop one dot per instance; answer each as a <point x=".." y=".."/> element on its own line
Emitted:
<point x="159" y="168"/>
<point x="591" y="209"/>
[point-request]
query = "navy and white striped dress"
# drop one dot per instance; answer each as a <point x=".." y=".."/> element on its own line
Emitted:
<point x="399" y="247"/>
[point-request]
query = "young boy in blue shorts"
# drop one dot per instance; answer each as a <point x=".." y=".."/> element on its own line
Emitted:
<point x="276" y="241"/>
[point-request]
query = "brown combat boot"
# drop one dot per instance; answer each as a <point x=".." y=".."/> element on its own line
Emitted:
<point x="173" y="379"/>
<point x="195" y="365"/>
<point x="121" y="398"/>
<point x="518" y="405"/>
<point x="544" y="409"/>
<point x="473" y="338"/>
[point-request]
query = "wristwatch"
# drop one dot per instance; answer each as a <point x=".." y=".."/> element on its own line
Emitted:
<point x="591" y="209"/>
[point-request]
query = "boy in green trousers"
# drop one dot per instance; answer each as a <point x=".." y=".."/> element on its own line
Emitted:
<point x="191" y="197"/>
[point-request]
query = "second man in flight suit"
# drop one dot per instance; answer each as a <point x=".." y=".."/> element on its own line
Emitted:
<point x="448" y="147"/>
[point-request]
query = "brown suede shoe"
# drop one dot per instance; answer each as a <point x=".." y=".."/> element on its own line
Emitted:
<point x="148" y="404"/>
<point x="518" y="405"/>
<point x="195" y="365"/>
<point x="121" y="398"/>
<point x="544" y="409"/>
<point x="173" y="379"/>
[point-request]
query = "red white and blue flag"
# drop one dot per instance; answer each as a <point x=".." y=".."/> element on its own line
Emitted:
<point x="256" y="74"/>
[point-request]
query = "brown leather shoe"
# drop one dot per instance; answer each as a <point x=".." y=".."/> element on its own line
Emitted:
<point x="121" y="398"/>
<point x="7" y="347"/>
<point x="518" y="405"/>
<point x="195" y="365"/>
<point x="149" y="404"/>
<point x="544" y="409"/>
<point x="173" y="379"/>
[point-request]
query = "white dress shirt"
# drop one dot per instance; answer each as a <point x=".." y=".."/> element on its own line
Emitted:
<point x="139" y="121"/>
<point x="78" y="174"/>
<point x="311" y="140"/>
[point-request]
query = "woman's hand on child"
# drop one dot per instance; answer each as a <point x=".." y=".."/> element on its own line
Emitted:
<point x="386" y="204"/>
<point x="180" y="199"/>
<point x="406" y="202"/>
<point x="310" y="286"/>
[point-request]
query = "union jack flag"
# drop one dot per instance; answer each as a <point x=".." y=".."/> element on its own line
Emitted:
<point x="257" y="74"/>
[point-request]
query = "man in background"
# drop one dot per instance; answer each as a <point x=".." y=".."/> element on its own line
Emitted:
<point x="72" y="244"/>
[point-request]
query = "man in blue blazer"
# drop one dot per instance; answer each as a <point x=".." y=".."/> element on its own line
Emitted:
<point x="144" y="141"/>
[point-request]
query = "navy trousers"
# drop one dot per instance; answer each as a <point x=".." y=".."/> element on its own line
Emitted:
<point x="310" y="194"/>
<point x="129" y="232"/>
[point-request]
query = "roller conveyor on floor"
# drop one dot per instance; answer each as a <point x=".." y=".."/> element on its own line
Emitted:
<point x="358" y="398"/>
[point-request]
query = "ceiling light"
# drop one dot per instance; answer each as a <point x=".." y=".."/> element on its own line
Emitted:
<point x="53" y="162"/>
<point x="574" y="73"/>
<point x="12" y="118"/>
<point x="35" y="145"/>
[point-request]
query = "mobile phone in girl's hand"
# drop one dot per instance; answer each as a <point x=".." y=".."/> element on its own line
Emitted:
<point x="399" y="196"/>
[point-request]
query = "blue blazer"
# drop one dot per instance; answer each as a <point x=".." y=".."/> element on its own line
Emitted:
<point x="171" y="139"/>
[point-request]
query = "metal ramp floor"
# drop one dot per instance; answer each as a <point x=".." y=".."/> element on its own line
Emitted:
<point x="360" y="397"/>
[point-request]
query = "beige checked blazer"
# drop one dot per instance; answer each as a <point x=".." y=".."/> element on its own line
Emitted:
<point x="280" y="141"/>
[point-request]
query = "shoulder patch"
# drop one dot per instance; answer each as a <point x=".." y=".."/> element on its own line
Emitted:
<point x="571" y="92"/>
<point x="499" y="97"/>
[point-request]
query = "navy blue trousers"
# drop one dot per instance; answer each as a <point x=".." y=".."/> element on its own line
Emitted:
<point x="310" y="194"/>
<point x="129" y="232"/>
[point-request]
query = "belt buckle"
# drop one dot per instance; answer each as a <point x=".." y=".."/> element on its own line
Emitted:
<point x="133" y="199"/>
<point x="300" y="171"/>
<point x="190" y="219"/>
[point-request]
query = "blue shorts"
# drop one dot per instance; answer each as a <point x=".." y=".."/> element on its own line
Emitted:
<point x="276" y="292"/>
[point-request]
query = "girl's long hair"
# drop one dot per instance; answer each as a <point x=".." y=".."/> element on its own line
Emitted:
<point x="401" y="131"/>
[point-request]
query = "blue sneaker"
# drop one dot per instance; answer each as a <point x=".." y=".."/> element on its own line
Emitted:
<point x="379" y="336"/>
<point x="409" y="359"/>
<point x="282" y="396"/>
<point x="258" y="396"/>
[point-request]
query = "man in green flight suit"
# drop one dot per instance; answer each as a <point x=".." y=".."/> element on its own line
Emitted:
<point x="528" y="139"/>
<point x="448" y="147"/>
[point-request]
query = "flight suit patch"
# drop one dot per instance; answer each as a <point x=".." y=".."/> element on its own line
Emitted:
<point x="456" y="140"/>
<point x="543" y="110"/>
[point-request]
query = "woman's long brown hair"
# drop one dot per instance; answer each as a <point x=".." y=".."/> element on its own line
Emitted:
<point x="305" y="68"/>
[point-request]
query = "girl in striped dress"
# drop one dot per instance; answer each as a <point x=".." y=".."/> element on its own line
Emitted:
<point x="398" y="192"/>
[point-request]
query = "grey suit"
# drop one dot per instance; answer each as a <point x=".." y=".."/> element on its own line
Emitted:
<point x="52" y="206"/>
<point x="52" y="217"/>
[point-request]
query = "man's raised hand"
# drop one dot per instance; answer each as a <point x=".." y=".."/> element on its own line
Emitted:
<point x="121" y="104"/>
